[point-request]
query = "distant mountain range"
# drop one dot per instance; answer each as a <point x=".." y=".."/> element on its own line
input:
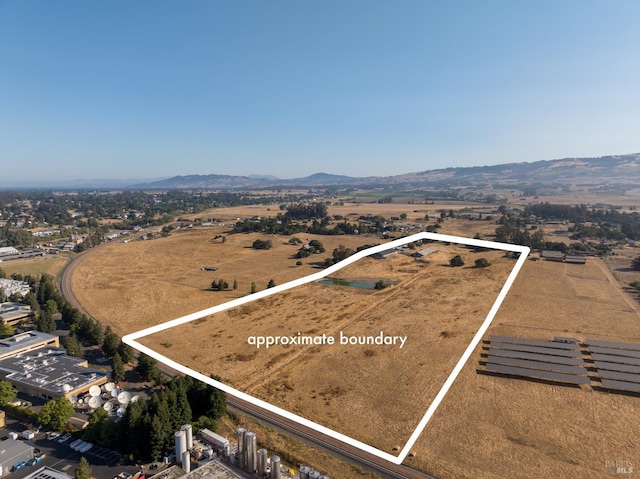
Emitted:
<point x="622" y="169"/>
<point x="607" y="170"/>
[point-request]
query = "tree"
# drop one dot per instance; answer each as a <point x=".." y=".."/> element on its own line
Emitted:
<point x="380" y="284"/>
<point x="235" y="284"/>
<point x="271" y="283"/>
<point x="148" y="368"/>
<point x="253" y="287"/>
<point x="110" y="342"/>
<point x="73" y="346"/>
<point x="456" y="261"/>
<point x="5" y="329"/>
<point x="56" y="413"/>
<point x="8" y="392"/>
<point x="341" y="252"/>
<point x="482" y="263"/>
<point x="635" y="264"/>
<point x="261" y="244"/>
<point x="51" y="307"/>
<point x="83" y="471"/>
<point x="126" y="352"/>
<point x="220" y="285"/>
<point x="117" y="368"/>
<point x="44" y="322"/>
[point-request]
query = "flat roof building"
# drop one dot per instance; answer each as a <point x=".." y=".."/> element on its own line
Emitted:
<point x="24" y="342"/>
<point x="13" y="452"/>
<point x="11" y="313"/>
<point x="50" y="373"/>
<point x="48" y="473"/>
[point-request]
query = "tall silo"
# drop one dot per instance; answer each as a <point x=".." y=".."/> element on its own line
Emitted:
<point x="189" y="435"/>
<point x="181" y="444"/>
<point x="186" y="461"/>
<point x="262" y="462"/>
<point x="251" y="446"/>
<point x="241" y="454"/>
<point x="275" y="467"/>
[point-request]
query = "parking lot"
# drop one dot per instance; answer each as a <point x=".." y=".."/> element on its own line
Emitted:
<point x="105" y="463"/>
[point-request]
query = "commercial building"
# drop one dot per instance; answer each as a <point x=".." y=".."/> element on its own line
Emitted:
<point x="48" y="473"/>
<point x="49" y="373"/>
<point x="13" y="454"/>
<point x="12" y="313"/>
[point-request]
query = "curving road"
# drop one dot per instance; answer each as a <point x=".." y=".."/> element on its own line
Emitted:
<point x="339" y="449"/>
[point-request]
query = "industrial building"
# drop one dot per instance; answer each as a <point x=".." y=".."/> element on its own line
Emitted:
<point x="12" y="313"/>
<point x="48" y="473"/>
<point x="49" y="373"/>
<point x="8" y="251"/>
<point x="23" y="342"/>
<point x="12" y="286"/>
<point x="13" y="453"/>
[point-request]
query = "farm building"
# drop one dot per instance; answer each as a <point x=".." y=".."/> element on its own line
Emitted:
<point x="575" y="258"/>
<point x="425" y="252"/>
<point x="384" y="254"/>
<point x="8" y="251"/>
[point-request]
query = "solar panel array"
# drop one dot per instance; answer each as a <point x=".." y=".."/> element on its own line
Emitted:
<point x="536" y="359"/>
<point x="609" y="365"/>
<point x="617" y="364"/>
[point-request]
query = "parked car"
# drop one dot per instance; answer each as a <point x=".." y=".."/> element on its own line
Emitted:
<point x="64" y="438"/>
<point x="85" y="447"/>
<point x="12" y="435"/>
<point x="53" y="435"/>
<point x="75" y="444"/>
<point x="18" y="465"/>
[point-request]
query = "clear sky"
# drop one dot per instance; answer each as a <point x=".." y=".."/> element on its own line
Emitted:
<point x="142" y="89"/>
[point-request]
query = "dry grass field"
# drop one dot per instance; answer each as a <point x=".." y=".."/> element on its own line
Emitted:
<point x="51" y="264"/>
<point x="493" y="427"/>
<point x="131" y="286"/>
<point x="374" y="393"/>
<point x="487" y="427"/>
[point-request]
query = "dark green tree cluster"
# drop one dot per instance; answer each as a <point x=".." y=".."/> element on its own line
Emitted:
<point x="148" y="368"/>
<point x="456" y="261"/>
<point x="146" y="430"/>
<point x="314" y="247"/>
<point x="340" y="253"/>
<point x="219" y="285"/>
<point x="482" y="263"/>
<point x="303" y="211"/>
<point x="261" y="244"/>
<point x="56" y="413"/>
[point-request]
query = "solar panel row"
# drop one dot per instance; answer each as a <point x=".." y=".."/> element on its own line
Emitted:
<point x="534" y="342"/>
<point x="560" y="368"/>
<point x="621" y="385"/>
<point x="615" y="359"/>
<point x="612" y="344"/>
<point x="536" y="349"/>
<point x="537" y="374"/>
<point x="615" y="352"/>
<point x="536" y="357"/>
<point x="623" y="368"/>
<point x="632" y="378"/>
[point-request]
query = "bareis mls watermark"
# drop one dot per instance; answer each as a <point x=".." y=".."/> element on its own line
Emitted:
<point x="620" y="466"/>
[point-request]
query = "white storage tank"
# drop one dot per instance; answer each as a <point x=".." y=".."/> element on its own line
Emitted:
<point x="189" y="435"/>
<point x="275" y="467"/>
<point x="181" y="444"/>
<point x="313" y="474"/>
<point x="186" y="461"/>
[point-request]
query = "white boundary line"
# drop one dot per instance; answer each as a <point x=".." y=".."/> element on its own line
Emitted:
<point x="131" y="339"/>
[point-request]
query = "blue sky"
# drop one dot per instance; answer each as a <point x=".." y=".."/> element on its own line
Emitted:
<point x="144" y="89"/>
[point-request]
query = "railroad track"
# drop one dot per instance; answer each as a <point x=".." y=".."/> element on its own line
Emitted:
<point x="337" y="448"/>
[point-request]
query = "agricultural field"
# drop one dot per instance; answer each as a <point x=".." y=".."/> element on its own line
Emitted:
<point x="51" y="264"/>
<point x="374" y="393"/>
<point x="489" y="427"/>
